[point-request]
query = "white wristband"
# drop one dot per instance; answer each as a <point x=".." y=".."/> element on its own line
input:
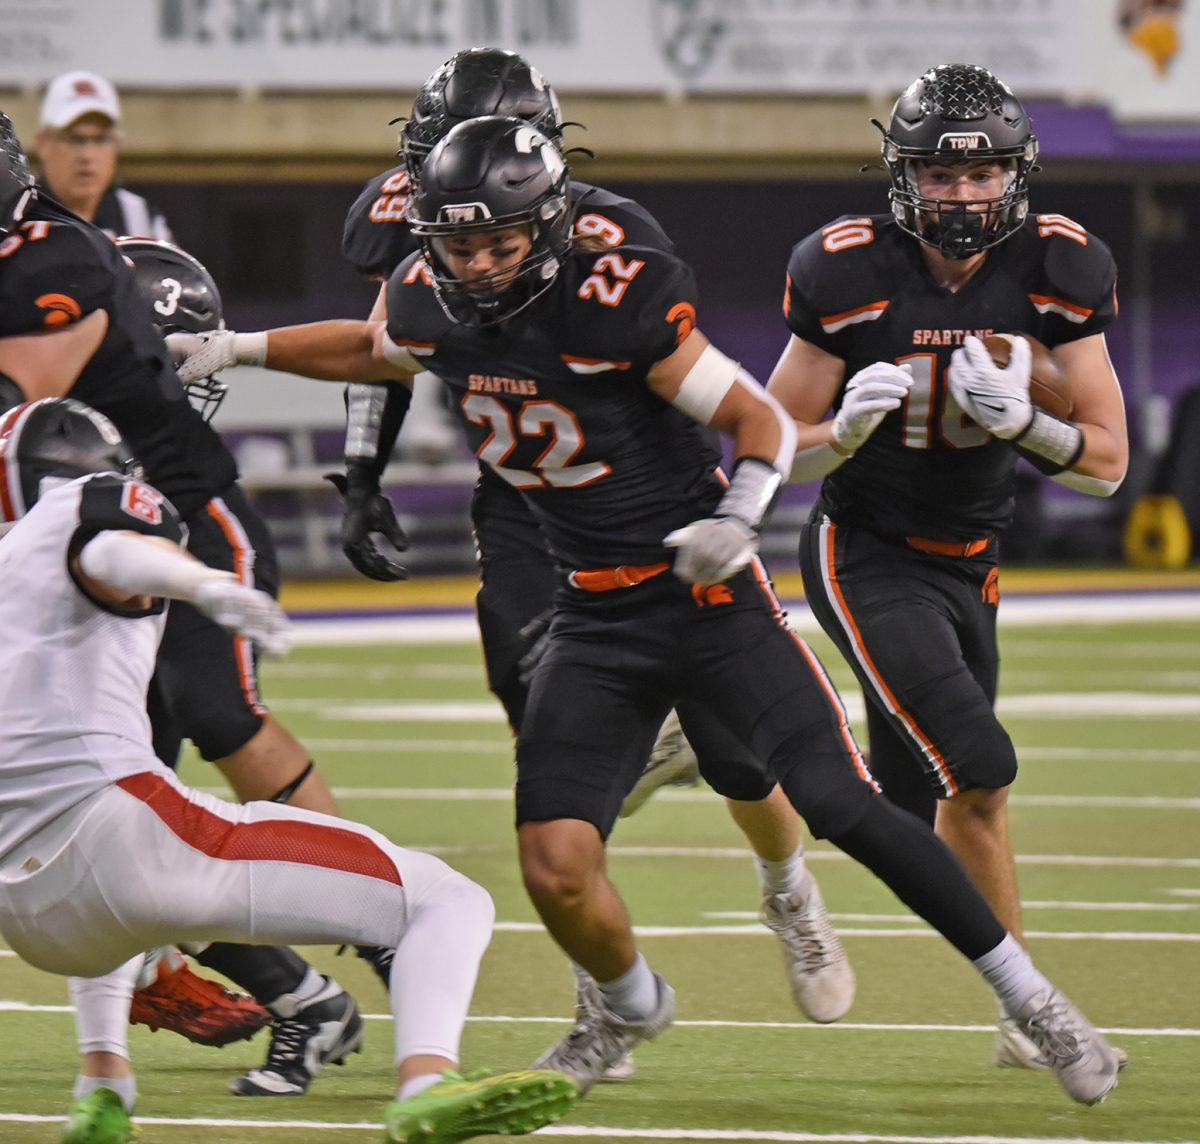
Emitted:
<point x="138" y="564"/>
<point x="1052" y="440"/>
<point x="250" y="349"/>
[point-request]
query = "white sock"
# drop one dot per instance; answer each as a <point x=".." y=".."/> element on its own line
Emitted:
<point x="786" y="877"/>
<point x="124" y="1086"/>
<point x="288" y="1005"/>
<point x="102" y="1009"/>
<point x="1011" y="973"/>
<point x="437" y="960"/>
<point x="634" y="995"/>
<point x="416" y="1085"/>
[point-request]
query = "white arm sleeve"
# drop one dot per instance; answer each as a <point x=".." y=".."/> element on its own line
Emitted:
<point x="782" y="461"/>
<point x="814" y="462"/>
<point x="1081" y="482"/>
<point x="399" y="356"/>
<point x="704" y="388"/>
<point x="136" y="564"/>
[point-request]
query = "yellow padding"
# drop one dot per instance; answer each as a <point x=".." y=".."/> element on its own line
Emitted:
<point x="1157" y="533"/>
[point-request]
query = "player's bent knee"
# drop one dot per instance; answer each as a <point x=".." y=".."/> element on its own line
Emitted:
<point x="742" y="783"/>
<point x="465" y="897"/>
<point x="828" y="809"/>
<point x="552" y="868"/>
<point x="988" y="771"/>
<point x="983" y="802"/>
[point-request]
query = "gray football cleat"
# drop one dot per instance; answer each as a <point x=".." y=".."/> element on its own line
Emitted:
<point x="672" y="763"/>
<point x="818" y="970"/>
<point x="1085" y="1064"/>
<point x="601" y="1039"/>
<point x="1014" y="1050"/>
<point x="589" y="1001"/>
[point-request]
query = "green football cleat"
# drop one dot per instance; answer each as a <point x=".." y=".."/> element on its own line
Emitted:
<point x="98" y="1118"/>
<point x="457" y="1108"/>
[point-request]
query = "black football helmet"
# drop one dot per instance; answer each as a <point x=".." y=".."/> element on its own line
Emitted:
<point x="56" y="439"/>
<point x="475" y="82"/>
<point x="16" y="179"/>
<point x="487" y="174"/>
<point x="180" y="295"/>
<point x="958" y="112"/>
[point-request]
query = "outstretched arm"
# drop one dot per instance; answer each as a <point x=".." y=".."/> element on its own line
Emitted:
<point x="339" y="350"/>
<point x="128" y="570"/>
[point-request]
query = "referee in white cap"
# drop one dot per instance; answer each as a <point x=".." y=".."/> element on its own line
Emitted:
<point x="77" y="144"/>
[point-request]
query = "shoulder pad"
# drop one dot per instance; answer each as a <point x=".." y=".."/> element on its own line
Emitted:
<point x="616" y="220"/>
<point x="109" y="501"/>
<point x="376" y="238"/>
<point x="1077" y="264"/>
<point x="631" y="303"/>
<point x="1069" y="275"/>
<point x="415" y="318"/>
<point x="842" y="269"/>
<point x="53" y="275"/>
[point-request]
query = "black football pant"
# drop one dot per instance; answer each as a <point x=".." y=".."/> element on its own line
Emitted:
<point x="614" y="669"/>
<point x="919" y="630"/>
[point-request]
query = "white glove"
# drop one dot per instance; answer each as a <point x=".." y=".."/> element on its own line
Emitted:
<point x="247" y="610"/>
<point x="996" y="399"/>
<point x="197" y="356"/>
<point x="713" y="549"/>
<point x="871" y="394"/>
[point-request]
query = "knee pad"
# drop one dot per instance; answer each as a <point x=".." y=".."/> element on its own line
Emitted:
<point x="823" y="786"/>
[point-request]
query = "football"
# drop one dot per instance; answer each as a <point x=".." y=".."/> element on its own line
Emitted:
<point x="1048" y="386"/>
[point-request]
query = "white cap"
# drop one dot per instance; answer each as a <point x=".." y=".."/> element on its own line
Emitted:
<point x="78" y="93"/>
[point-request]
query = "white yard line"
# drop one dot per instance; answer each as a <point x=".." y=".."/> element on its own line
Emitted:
<point x="1091" y="705"/>
<point x="1053" y="754"/>
<point x="576" y="1131"/>
<point x="1015" y="611"/>
<point x="1104" y="907"/>
<point x="743" y="855"/>
<point x="795" y="1026"/>
<point x="919" y="930"/>
<point x="503" y="794"/>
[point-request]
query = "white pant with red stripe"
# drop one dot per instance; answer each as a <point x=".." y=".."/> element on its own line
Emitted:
<point x="149" y="862"/>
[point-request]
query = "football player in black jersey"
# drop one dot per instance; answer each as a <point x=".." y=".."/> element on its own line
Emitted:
<point x="583" y="381"/>
<point x="900" y="556"/>
<point x="517" y="571"/>
<point x="73" y="321"/>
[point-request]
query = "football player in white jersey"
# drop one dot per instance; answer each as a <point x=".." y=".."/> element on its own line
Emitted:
<point x="89" y="557"/>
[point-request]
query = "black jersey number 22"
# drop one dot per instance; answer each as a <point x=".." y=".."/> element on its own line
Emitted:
<point x="543" y="419"/>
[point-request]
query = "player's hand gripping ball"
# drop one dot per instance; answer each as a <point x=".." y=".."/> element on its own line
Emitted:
<point x="1048" y="386"/>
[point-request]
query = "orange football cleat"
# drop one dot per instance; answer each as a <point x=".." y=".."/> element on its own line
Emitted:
<point x="197" y="1008"/>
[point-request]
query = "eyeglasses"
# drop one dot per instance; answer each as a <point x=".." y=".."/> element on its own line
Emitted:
<point x="78" y="140"/>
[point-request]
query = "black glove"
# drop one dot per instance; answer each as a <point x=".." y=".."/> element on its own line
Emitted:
<point x="368" y="513"/>
<point x="536" y="636"/>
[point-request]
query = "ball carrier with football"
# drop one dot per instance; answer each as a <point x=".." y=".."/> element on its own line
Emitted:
<point x="951" y="336"/>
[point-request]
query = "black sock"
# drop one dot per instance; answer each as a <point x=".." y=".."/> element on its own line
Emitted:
<point x="900" y="850"/>
<point x="264" y="971"/>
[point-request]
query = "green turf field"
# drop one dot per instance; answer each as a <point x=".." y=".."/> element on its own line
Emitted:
<point x="1107" y="830"/>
